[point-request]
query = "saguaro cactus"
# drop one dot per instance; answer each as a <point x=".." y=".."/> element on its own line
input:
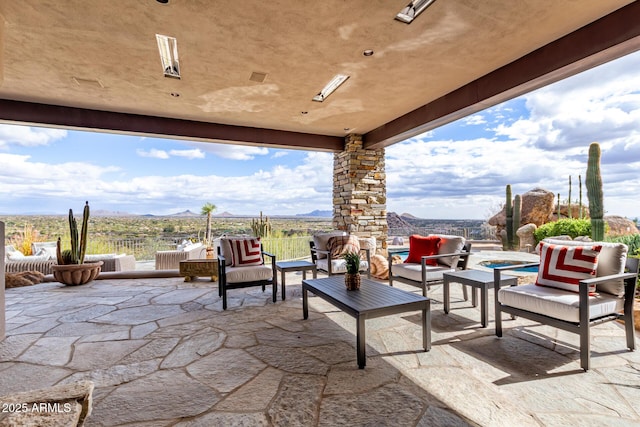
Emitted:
<point x="517" y="210"/>
<point x="261" y="227"/>
<point x="594" y="193"/>
<point x="509" y="218"/>
<point x="580" y="213"/>
<point x="569" y="202"/>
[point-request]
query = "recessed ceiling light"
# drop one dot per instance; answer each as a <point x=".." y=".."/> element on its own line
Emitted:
<point x="334" y="84"/>
<point x="168" y="48"/>
<point x="412" y="10"/>
<point x="368" y="52"/>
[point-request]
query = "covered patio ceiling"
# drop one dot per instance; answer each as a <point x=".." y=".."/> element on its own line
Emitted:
<point x="250" y="69"/>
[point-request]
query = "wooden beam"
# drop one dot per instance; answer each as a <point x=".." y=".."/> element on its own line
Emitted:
<point x="19" y="112"/>
<point x="606" y="39"/>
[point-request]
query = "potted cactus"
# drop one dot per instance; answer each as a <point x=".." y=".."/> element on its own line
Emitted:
<point x="352" y="276"/>
<point x="71" y="268"/>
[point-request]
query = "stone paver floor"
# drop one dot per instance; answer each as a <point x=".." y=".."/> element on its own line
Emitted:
<point x="161" y="352"/>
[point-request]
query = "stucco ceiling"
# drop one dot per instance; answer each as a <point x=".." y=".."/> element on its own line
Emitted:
<point x="100" y="57"/>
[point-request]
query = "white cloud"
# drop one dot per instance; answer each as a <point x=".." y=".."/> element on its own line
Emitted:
<point x="476" y="119"/>
<point x="232" y="152"/>
<point x="153" y="153"/>
<point x="27" y="136"/>
<point x="189" y="154"/>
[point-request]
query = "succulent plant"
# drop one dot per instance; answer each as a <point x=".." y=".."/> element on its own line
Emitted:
<point x="352" y="260"/>
<point x="76" y="254"/>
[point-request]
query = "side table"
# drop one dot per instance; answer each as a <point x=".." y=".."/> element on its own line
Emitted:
<point x="286" y="266"/>
<point x="475" y="279"/>
<point x="192" y="268"/>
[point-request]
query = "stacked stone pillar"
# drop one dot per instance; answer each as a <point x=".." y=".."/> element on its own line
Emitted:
<point x="360" y="191"/>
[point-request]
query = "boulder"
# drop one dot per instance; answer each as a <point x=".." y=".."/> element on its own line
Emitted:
<point x="620" y="226"/>
<point x="537" y="208"/>
<point x="526" y="237"/>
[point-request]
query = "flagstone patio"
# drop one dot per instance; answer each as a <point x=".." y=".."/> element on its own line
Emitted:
<point x="161" y="352"/>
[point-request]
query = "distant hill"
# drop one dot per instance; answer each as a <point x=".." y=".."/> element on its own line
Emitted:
<point x="225" y="214"/>
<point x="185" y="213"/>
<point x="318" y="213"/>
<point x="104" y="212"/>
<point x="408" y="216"/>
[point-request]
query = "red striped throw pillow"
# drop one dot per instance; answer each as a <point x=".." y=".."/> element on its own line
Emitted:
<point x="246" y="252"/>
<point x="564" y="267"/>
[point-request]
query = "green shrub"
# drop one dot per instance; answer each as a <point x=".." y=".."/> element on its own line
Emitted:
<point x="564" y="227"/>
<point x="631" y="240"/>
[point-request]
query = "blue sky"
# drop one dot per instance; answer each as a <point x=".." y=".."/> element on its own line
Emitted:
<point x="458" y="171"/>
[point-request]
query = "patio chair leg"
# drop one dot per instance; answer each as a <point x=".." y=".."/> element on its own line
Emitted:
<point x="585" y="352"/>
<point x="224" y="298"/>
<point x="498" y="320"/>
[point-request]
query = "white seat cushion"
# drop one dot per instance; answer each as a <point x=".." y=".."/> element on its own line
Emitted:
<point x="338" y="265"/>
<point x="249" y="274"/>
<point x="414" y="271"/>
<point x="557" y="303"/>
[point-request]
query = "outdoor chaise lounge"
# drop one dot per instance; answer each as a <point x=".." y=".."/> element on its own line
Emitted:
<point x="327" y="250"/>
<point x="241" y="265"/>
<point x="170" y="260"/>
<point x="429" y="258"/>
<point x="568" y="296"/>
<point x="15" y="261"/>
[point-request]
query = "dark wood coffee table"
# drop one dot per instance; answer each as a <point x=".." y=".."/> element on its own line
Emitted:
<point x="372" y="300"/>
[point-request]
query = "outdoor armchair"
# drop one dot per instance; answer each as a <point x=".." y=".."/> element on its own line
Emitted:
<point x="569" y="302"/>
<point x="327" y="250"/>
<point x="241" y="265"/>
<point x="429" y="258"/>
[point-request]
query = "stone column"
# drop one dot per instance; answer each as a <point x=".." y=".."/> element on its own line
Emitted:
<point x="2" y="307"/>
<point x="360" y="191"/>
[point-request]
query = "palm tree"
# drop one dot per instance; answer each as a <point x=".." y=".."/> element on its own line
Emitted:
<point x="207" y="209"/>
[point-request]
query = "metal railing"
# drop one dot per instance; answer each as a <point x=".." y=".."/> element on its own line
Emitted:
<point x="144" y="249"/>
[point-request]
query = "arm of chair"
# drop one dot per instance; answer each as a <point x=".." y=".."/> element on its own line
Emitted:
<point x="497" y="272"/>
<point x="273" y="266"/>
<point x="427" y="257"/>
<point x="367" y="253"/>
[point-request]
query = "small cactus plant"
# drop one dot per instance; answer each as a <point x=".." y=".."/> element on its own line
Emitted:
<point x="76" y="254"/>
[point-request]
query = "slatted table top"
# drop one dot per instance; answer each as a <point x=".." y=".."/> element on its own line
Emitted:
<point x="373" y="298"/>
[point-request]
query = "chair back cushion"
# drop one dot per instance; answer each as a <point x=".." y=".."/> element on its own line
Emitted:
<point x="340" y="245"/>
<point x="420" y="246"/>
<point x="563" y="267"/>
<point x="320" y="241"/>
<point x="612" y="260"/>
<point x="449" y="245"/>
<point x="240" y="251"/>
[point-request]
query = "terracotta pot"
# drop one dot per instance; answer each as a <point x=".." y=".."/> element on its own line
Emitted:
<point x="352" y="281"/>
<point x="636" y="313"/>
<point x="76" y="274"/>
